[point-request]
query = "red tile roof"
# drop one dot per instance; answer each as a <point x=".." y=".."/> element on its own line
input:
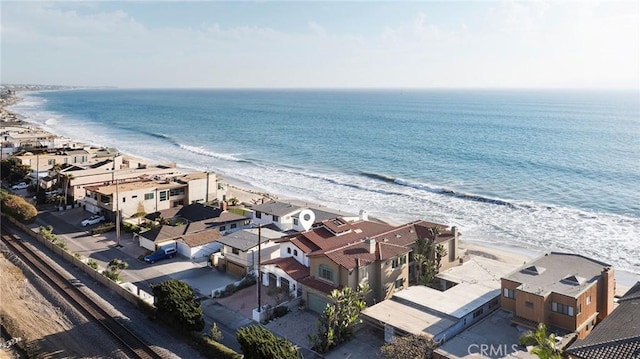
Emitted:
<point x="318" y="284"/>
<point x="358" y="254"/>
<point x="291" y="266"/>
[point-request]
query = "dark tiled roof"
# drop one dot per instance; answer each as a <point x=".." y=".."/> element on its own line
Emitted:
<point x="617" y="336"/>
<point x="291" y="266"/>
<point x="276" y="208"/>
<point x="197" y="212"/>
<point x="166" y="232"/>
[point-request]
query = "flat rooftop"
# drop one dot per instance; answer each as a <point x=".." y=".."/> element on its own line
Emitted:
<point x="480" y="270"/>
<point x="408" y="318"/>
<point x="495" y="334"/>
<point x="457" y="301"/>
<point x="562" y="273"/>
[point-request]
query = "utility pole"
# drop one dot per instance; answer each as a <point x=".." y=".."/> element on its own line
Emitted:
<point x="259" y="276"/>
<point x="117" y="215"/>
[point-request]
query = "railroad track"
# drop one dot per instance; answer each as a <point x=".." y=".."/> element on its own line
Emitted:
<point x="131" y="343"/>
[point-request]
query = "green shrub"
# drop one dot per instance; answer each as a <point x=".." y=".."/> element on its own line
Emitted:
<point x="247" y="281"/>
<point x="17" y="207"/>
<point x="111" y="274"/>
<point x="213" y="349"/>
<point x="104" y="228"/>
<point x="93" y="264"/>
<point x="259" y="343"/>
<point x="215" y="333"/>
<point x="177" y="305"/>
<point x="130" y="228"/>
<point x="61" y="244"/>
<point x="230" y="289"/>
<point x="47" y="233"/>
<point x="77" y="255"/>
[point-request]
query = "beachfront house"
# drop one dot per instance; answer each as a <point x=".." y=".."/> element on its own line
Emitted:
<point x="337" y="253"/>
<point x="240" y="251"/>
<point x="567" y="292"/>
<point x="137" y="196"/>
<point x="279" y="214"/>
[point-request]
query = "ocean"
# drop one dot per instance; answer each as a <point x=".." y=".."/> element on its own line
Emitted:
<point x="542" y="169"/>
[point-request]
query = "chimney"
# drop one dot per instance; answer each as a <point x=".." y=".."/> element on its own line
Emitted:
<point x="607" y="286"/>
<point x="223" y="206"/>
<point x="263" y="200"/>
<point x="372" y="245"/>
<point x="364" y="216"/>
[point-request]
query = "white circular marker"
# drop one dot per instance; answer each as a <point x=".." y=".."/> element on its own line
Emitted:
<point x="307" y="218"/>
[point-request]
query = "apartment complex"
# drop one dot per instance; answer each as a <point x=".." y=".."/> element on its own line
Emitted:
<point x="568" y="292"/>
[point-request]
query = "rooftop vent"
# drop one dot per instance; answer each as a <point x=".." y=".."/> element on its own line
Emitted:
<point x="533" y="270"/>
<point x="574" y="280"/>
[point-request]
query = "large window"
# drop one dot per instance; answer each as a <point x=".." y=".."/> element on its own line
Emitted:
<point x="148" y="196"/>
<point x="509" y="293"/>
<point x="235" y="251"/>
<point x="562" y="308"/>
<point x="276" y="218"/>
<point x="163" y="195"/>
<point x="325" y="272"/>
<point x="176" y="191"/>
<point x="478" y="313"/>
<point x="258" y="214"/>
<point x="397" y="262"/>
<point x="363" y="272"/>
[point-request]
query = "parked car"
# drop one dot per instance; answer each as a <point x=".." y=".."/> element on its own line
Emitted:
<point x="21" y="185"/>
<point x="162" y="253"/>
<point x="92" y="220"/>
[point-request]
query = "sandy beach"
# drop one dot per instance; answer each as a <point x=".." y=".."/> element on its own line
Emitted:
<point x="250" y="195"/>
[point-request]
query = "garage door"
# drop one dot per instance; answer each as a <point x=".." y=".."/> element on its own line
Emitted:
<point x="316" y="302"/>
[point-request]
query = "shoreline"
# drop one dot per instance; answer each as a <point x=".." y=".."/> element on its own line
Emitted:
<point x="250" y="193"/>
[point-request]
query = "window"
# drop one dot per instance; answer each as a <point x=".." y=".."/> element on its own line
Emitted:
<point x="562" y="308"/>
<point x="124" y="199"/>
<point x="288" y="250"/>
<point x="276" y="218"/>
<point x="528" y="304"/>
<point x="235" y="251"/>
<point x="493" y="303"/>
<point x="233" y="225"/>
<point x="295" y="222"/>
<point x="163" y="195"/>
<point x="399" y="283"/>
<point x="176" y="191"/>
<point x="148" y="196"/>
<point x="136" y="196"/>
<point x="325" y="272"/>
<point x="588" y="300"/>
<point x="396" y="262"/>
<point x="478" y="313"/>
<point x="295" y="252"/>
<point x="105" y="199"/>
<point x="223" y="228"/>
<point x="363" y="273"/>
<point x="51" y="162"/>
<point x="509" y="293"/>
<point x="258" y="214"/>
<point x="579" y="308"/>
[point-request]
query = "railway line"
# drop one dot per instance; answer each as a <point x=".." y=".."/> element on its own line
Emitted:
<point x="131" y="344"/>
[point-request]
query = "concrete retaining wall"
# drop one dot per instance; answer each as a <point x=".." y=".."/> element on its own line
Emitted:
<point x="123" y="292"/>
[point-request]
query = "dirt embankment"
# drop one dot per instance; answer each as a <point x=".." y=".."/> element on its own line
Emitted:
<point x="41" y="321"/>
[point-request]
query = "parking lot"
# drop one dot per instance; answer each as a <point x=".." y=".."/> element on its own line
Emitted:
<point x="102" y="248"/>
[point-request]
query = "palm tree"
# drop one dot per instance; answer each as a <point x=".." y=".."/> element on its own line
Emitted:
<point x="440" y="253"/>
<point x="67" y="181"/>
<point x="544" y="345"/>
<point x="434" y="232"/>
<point x="56" y="169"/>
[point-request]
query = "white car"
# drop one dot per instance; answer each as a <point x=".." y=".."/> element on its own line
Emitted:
<point x="92" y="220"/>
<point x="20" y="185"/>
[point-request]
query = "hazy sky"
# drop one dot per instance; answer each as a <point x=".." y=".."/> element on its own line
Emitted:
<point x="322" y="44"/>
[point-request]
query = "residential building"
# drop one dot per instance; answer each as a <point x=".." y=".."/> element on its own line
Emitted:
<point x="341" y="253"/>
<point x="277" y="213"/>
<point x="148" y="196"/>
<point x="617" y="336"/>
<point x="195" y="241"/>
<point x="240" y="249"/>
<point x="567" y="292"/>
<point x="473" y="292"/>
